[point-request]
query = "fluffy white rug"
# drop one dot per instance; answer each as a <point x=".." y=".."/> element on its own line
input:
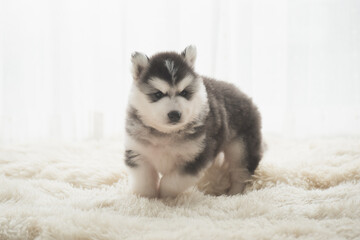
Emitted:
<point x="303" y="189"/>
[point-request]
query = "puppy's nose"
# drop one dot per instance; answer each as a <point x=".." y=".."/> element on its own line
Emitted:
<point x="174" y="116"/>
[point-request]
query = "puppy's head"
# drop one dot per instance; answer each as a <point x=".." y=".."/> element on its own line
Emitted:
<point x="166" y="92"/>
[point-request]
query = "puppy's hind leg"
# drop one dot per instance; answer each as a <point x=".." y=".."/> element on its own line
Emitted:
<point x="235" y="155"/>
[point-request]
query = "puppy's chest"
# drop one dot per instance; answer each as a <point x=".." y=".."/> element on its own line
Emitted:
<point x="165" y="154"/>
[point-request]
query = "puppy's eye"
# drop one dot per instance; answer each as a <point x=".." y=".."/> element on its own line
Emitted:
<point x="158" y="95"/>
<point x="184" y="93"/>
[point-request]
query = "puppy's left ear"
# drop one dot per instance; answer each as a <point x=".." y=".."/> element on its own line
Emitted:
<point x="139" y="62"/>
<point x="189" y="54"/>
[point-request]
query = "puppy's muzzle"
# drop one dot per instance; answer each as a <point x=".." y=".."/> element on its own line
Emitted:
<point x="174" y="116"/>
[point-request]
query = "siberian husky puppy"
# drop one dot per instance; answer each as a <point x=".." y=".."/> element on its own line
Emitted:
<point x="179" y="121"/>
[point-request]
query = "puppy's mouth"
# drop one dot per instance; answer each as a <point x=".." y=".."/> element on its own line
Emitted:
<point x="174" y="122"/>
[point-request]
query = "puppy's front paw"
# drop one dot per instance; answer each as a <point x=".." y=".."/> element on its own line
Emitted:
<point x="167" y="194"/>
<point x="167" y="189"/>
<point x="145" y="187"/>
<point x="148" y="193"/>
<point x="175" y="183"/>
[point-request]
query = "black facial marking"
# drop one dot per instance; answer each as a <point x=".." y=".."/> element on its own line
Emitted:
<point x="157" y="68"/>
<point x="184" y="93"/>
<point x="130" y="158"/>
<point x="159" y="95"/>
<point x="189" y="91"/>
<point x="156" y="96"/>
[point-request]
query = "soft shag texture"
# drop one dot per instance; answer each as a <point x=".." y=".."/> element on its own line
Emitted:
<point x="303" y="189"/>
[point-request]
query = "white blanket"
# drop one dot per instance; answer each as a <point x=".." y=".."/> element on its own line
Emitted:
<point x="303" y="189"/>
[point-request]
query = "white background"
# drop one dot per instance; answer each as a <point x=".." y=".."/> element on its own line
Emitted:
<point x="64" y="65"/>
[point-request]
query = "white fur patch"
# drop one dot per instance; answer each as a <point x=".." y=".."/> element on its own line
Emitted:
<point x="190" y="55"/>
<point x="174" y="183"/>
<point x="144" y="180"/>
<point x="169" y="64"/>
<point x="165" y="154"/>
<point x="139" y="62"/>
<point x="185" y="82"/>
<point x="160" y="84"/>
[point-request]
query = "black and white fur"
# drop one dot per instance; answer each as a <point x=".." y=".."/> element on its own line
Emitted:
<point x="178" y="122"/>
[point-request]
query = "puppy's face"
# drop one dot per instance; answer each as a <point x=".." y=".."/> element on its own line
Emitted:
<point x="166" y="92"/>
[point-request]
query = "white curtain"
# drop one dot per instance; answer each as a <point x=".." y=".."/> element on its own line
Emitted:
<point x="64" y="65"/>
